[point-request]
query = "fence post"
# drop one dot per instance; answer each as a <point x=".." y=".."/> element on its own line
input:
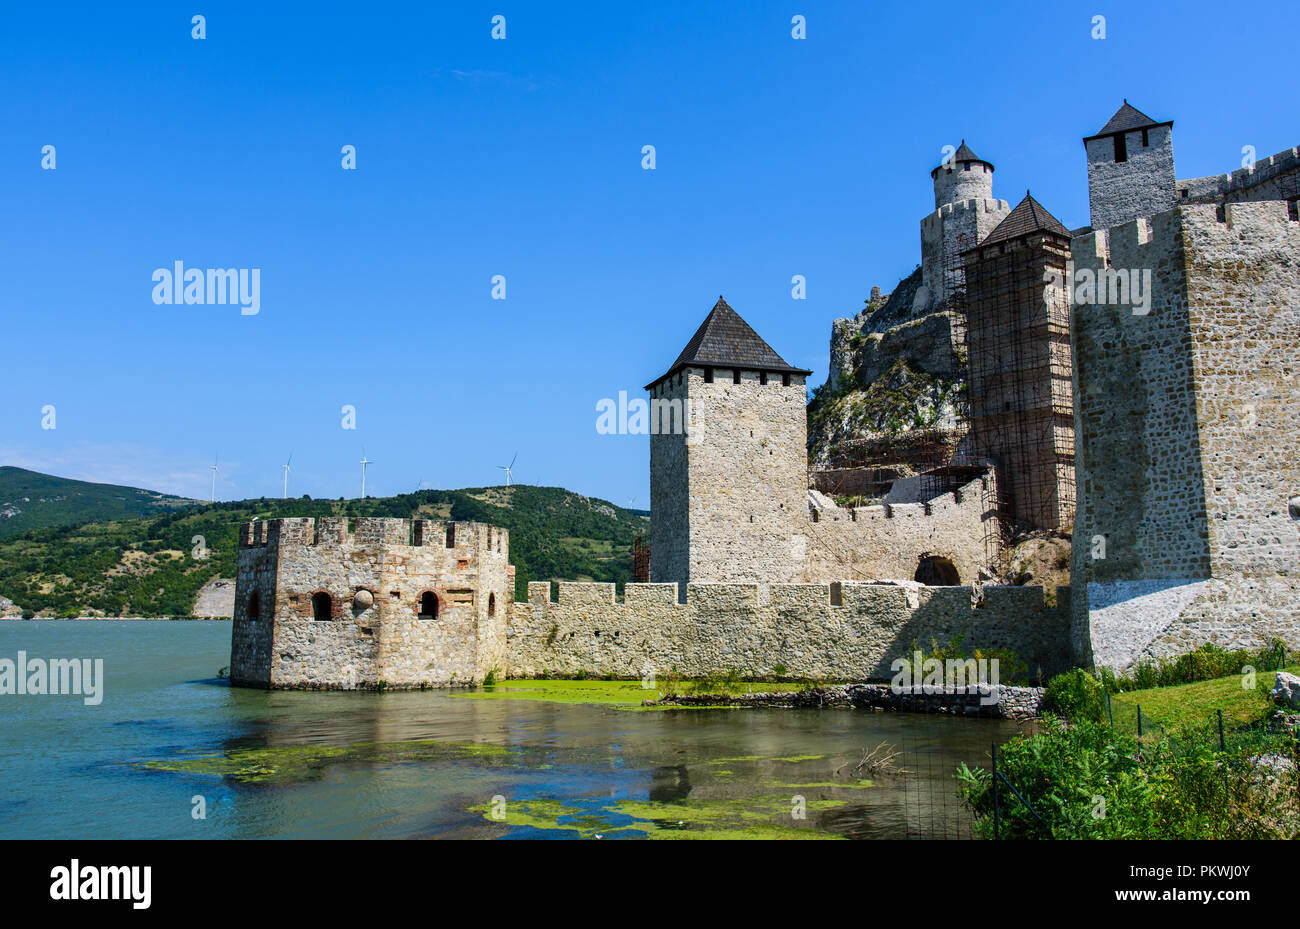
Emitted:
<point x="1220" y="712"/>
<point x="1110" y="715"/>
<point x="1139" y="720"/>
<point x="996" y="814"/>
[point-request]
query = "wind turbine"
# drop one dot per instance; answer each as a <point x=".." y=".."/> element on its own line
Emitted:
<point x="506" y="468"/>
<point x="364" y="461"/>
<point x="214" y="477"/>
<point x="286" y="476"/>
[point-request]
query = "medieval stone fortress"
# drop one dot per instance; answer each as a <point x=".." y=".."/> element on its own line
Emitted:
<point x="1131" y="386"/>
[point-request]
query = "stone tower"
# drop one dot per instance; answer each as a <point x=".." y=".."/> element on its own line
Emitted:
<point x="965" y="211"/>
<point x="1185" y="414"/>
<point x="1018" y="338"/>
<point x="728" y="494"/>
<point x="1130" y="168"/>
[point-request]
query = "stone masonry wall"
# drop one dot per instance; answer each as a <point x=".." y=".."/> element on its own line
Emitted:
<point x="946" y="233"/>
<point x="1119" y="192"/>
<point x="1272" y="178"/>
<point x="887" y="542"/>
<point x="753" y="629"/>
<point x="1187" y="436"/>
<point x="375" y="578"/>
<point x="744" y="475"/>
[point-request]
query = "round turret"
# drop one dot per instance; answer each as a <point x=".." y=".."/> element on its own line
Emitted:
<point x="965" y="176"/>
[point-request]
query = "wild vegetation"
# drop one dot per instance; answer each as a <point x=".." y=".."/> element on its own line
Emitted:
<point x="1101" y="770"/>
<point x="31" y="500"/>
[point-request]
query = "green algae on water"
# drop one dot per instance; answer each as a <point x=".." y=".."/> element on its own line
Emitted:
<point x="762" y="817"/>
<point x="289" y="763"/>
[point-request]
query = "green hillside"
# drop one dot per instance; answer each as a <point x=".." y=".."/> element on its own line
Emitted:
<point x="31" y="500"/>
<point x="146" y="566"/>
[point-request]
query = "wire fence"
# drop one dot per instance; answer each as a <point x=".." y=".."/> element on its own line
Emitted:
<point x="1237" y="743"/>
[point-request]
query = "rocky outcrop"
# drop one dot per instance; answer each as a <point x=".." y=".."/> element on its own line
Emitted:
<point x="891" y="371"/>
<point x="1286" y="690"/>
<point x="216" y="598"/>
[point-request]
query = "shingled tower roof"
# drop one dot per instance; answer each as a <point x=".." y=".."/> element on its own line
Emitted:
<point x="1028" y="216"/>
<point x="1126" y="119"/>
<point x="963" y="153"/>
<point x="724" y="340"/>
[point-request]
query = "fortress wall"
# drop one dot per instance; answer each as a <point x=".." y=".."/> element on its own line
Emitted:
<point x="1272" y="178"/>
<point x="745" y="628"/>
<point x="1187" y="436"/>
<point x="887" y="541"/>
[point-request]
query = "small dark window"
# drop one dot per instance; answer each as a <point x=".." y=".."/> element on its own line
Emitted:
<point x="1146" y="140"/>
<point x="762" y="377"/>
<point x="708" y="375"/>
<point x="492" y="605"/>
<point x="322" y="607"/>
<point x="785" y="380"/>
<point x="428" y="605"/>
<point x="1121" y="147"/>
<point x="451" y="536"/>
<point x="735" y="376"/>
<point x="1183" y="193"/>
<point x="1293" y="210"/>
<point x="254" y="610"/>
<point x="965" y="166"/>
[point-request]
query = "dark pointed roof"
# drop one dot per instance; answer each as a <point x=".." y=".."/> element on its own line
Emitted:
<point x="963" y="153"/>
<point x="1028" y="216"/>
<point x="1126" y="119"/>
<point x="724" y="340"/>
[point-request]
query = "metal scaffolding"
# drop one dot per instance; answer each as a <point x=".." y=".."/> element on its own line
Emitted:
<point x="1021" y="404"/>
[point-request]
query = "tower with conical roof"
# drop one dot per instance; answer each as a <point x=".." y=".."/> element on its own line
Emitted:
<point x="1130" y="168"/>
<point x="965" y="211"/>
<point x="728" y="494"/>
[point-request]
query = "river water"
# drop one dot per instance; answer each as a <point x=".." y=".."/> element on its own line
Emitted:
<point x="172" y="751"/>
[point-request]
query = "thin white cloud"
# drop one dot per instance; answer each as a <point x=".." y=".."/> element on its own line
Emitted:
<point x="129" y="464"/>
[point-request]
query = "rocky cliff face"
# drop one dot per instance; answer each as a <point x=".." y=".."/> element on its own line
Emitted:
<point x="891" y="372"/>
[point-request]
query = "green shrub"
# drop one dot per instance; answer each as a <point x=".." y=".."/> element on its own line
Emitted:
<point x="1076" y="695"/>
<point x="1087" y="781"/>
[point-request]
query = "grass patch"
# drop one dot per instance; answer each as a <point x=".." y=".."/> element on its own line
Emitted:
<point x="619" y="694"/>
<point x="1192" y="706"/>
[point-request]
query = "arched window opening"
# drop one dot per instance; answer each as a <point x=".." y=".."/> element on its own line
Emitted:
<point x="934" y="571"/>
<point x="492" y="605"/>
<point x="254" y="609"/>
<point x="428" y="605"/>
<point x="322" y="607"/>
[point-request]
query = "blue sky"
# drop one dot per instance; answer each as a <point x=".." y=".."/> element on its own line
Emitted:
<point x="522" y="157"/>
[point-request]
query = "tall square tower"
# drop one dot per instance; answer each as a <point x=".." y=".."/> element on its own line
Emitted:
<point x="1130" y="168"/>
<point x="728" y="460"/>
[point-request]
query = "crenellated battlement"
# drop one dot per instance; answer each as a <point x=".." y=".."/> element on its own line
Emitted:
<point x="984" y="205"/>
<point x="471" y="538"/>
<point x="845" y="630"/>
<point x="867" y="595"/>
<point x="1241" y="180"/>
<point x="1150" y="242"/>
